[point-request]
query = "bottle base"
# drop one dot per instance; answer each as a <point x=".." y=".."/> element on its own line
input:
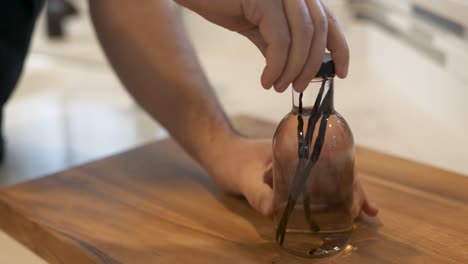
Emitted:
<point x="315" y="245"/>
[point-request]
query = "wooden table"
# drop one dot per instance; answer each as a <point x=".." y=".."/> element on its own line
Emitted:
<point x="154" y="205"/>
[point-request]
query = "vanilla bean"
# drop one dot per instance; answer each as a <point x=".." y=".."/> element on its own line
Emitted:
<point x="303" y="153"/>
<point x="300" y="179"/>
<point x="314" y="116"/>
<point x="301" y="149"/>
<point x="303" y="170"/>
<point x="314" y="227"/>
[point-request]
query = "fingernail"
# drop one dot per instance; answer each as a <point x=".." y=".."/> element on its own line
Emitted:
<point x="281" y="87"/>
<point x="299" y="87"/>
<point x="266" y="86"/>
<point x="265" y="82"/>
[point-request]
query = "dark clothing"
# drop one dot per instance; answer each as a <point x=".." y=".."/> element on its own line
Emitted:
<point x="17" y="20"/>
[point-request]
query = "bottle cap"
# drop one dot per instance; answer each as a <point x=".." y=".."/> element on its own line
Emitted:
<point x="328" y="67"/>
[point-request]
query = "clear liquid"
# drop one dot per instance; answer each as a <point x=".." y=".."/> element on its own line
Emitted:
<point x="328" y="187"/>
<point x="334" y="223"/>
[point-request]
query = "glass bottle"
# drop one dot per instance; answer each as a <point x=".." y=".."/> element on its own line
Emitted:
<point x="313" y="172"/>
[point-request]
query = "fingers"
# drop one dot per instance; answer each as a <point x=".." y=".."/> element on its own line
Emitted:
<point x="358" y="198"/>
<point x="361" y="202"/>
<point x="256" y="180"/>
<point x="364" y="205"/>
<point x="337" y="45"/>
<point x="293" y="36"/>
<point x="370" y="208"/>
<point x="317" y="47"/>
<point x="260" y="196"/>
<point x="356" y="208"/>
<point x="301" y="29"/>
<point x="274" y="29"/>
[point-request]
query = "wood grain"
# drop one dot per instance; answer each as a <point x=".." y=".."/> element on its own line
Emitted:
<point x="153" y="204"/>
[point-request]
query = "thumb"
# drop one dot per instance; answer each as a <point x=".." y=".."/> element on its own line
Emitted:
<point x="260" y="196"/>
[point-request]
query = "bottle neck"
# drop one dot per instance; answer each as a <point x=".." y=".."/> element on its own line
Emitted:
<point x="315" y="92"/>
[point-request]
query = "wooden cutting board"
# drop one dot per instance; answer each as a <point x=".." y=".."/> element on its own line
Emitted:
<point x="153" y="204"/>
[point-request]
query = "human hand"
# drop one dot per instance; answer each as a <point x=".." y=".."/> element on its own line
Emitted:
<point x="248" y="171"/>
<point x="361" y="204"/>
<point x="291" y="34"/>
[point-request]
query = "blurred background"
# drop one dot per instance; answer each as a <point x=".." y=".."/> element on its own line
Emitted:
<point x="406" y="92"/>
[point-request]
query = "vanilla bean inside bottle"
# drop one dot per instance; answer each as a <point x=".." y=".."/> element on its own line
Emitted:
<point x="313" y="172"/>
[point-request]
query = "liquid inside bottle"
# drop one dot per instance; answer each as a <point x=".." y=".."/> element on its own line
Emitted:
<point x="320" y="221"/>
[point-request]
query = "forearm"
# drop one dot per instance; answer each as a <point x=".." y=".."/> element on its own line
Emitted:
<point x="150" y="53"/>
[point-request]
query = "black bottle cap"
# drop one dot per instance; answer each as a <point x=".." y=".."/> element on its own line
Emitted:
<point x="328" y="67"/>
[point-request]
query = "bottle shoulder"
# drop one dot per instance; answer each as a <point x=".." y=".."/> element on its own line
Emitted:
<point x="337" y="131"/>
